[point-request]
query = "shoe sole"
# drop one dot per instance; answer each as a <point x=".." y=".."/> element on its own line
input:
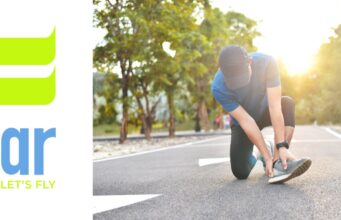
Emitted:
<point x="297" y="172"/>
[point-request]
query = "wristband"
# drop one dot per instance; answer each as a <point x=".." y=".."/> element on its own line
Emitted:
<point x="282" y="144"/>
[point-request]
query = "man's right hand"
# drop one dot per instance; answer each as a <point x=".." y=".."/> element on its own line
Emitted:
<point x="268" y="167"/>
<point x="283" y="155"/>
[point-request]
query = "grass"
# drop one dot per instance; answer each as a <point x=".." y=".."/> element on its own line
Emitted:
<point x="114" y="129"/>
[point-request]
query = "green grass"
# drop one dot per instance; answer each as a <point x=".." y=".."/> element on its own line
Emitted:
<point x="114" y="129"/>
<point x="102" y="130"/>
<point x="185" y="126"/>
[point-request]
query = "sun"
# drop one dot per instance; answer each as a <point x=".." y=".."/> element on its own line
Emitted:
<point x="296" y="55"/>
<point x="298" y="63"/>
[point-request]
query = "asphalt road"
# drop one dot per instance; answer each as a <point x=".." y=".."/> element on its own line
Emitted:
<point x="181" y="189"/>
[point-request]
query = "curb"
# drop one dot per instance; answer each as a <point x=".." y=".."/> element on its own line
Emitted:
<point x="140" y="137"/>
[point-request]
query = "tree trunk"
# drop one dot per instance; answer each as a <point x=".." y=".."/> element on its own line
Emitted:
<point x="148" y="118"/>
<point x="197" y="127"/>
<point x="146" y="123"/>
<point x="148" y="128"/>
<point x="124" y="123"/>
<point x="171" y="130"/>
<point x="203" y="116"/>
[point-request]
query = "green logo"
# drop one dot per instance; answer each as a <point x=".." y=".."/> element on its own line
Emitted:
<point x="28" y="51"/>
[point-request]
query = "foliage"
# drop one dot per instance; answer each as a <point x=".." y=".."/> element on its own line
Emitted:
<point x="105" y="86"/>
<point x="316" y="92"/>
<point x="328" y="80"/>
<point x="133" y="51"/>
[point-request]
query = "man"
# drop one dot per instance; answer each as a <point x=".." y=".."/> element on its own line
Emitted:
<point x="249" y="88"/>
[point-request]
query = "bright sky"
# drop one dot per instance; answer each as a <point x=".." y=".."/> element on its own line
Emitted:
<point x="293" y="30"/>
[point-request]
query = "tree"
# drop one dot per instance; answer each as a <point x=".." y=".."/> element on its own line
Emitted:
<point x="105" y="86"/>
<point x="133" y="48"/>
<point x="215" y="31"/>
<point x="123" y="44"/>
<point x="328" y="79"/>
<point x="219" y="30"/>
<point x="146" y="109"/>
<point x="315" y="92"/>
<point x="176" y="26"/>
<point x="243" y="30"/>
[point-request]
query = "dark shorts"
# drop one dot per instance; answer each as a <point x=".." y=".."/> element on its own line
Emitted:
<point x="242" y="160"/>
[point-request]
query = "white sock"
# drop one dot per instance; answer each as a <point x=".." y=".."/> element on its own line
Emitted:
<point x="256" y="153"/>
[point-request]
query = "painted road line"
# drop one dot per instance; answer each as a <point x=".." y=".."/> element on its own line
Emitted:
<point x="330" y="131"/>
<point x="160" y="149"/>
<point x="315" y="140"/>
<point x="109" y="202"/>
<point x="209" y="161"/>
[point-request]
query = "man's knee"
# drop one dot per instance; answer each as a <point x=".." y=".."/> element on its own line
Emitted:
<point x="241" y="172"/>
<point x="288" y="102"/>
<point x="288" y="110"/>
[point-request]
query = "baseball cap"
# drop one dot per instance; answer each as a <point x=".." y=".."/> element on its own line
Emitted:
<point x="233" y="63"/>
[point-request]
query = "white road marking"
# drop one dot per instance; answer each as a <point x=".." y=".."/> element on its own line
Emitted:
<point x="330" y="131"/>
<point x="109" y="202"/>
<point x="315" y="140"/>
<point x="209" y="161"/>
<point x="161" y="149"/>
<point x="214" y="145"/>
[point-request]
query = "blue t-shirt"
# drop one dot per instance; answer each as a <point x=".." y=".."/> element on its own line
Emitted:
<point x="251" y="97"/>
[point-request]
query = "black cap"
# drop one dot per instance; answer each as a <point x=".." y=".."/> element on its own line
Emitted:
<point x="233" y="62"/>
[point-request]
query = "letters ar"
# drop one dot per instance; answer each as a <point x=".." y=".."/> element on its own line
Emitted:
<point x="22" y="135"/>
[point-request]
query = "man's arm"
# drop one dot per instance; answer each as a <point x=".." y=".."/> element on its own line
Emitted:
<point x="254" y="134"/>
<point x="275" y="108"/>
<point x="276" y="115"/>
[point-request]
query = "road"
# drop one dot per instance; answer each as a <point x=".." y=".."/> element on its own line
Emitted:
<point x="176" y="184"/>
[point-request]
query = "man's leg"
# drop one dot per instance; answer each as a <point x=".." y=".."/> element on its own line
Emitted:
<point x="241" y="153"/>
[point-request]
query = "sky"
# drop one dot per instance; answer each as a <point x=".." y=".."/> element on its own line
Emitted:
<point x="292" y="30"/>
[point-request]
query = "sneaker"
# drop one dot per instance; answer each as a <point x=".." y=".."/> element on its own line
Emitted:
<point x="270" y="147"/>
<point x="295" y="169"/>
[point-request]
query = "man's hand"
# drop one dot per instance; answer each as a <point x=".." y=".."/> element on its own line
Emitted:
<point x="268" y="168"/>
<point x="283" y="156"/>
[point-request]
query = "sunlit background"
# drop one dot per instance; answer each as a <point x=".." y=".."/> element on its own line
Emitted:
<point x="304" y="37"/>
<point x="291" y="30"/>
